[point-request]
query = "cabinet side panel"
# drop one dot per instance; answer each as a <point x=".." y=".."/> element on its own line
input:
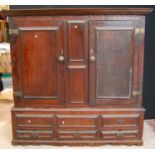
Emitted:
<point x="141" y="59"/>
<point x="15" y="59"/>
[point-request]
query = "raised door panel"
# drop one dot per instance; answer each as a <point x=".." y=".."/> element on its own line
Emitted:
<point x="41" y="70"/>
<point x="113" y="74"/>
<point x="40" y="75"/>
<point x="76" y="64"/>
<point x="113" y="65"/>
<point x="76" y="42"/>
<point x="76" y="84"/>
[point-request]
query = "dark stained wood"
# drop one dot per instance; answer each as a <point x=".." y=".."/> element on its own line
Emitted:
<point x="40" y="62"/>
<point x="113" y="74"/>
<point x="77" y="34"/>
<point x="79" y="11"/>
<point x="77" y="78"/>
<point x="113" y="78"/>
<point x="36" y="55"/>
<point x="76" y="61"/>
<point x="141" y="63"/>
<point x="121" y="122"/>
<point x="126" y="135"/>
<point x="81" y="125"/>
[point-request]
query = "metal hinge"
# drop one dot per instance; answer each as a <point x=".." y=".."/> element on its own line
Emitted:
<point x="136" y="93"/>
<point x="13" y="31"/>
<point x="17" y="93"/>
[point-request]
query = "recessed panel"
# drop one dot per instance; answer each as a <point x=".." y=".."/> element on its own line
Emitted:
<point x="114" y="48"/>
<point x="77" y="85"/>
<point x="39" y="49"/>
<point x="76" y="61"/>
<point x="76" y="40"/>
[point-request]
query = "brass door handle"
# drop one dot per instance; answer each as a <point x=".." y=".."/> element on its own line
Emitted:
<point x="61" y="57"/>
<point x="92" y="56"/>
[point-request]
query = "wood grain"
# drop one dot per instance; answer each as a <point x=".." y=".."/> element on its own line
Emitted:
<point x="79" y="11"/>
<point x="79" y="73"/>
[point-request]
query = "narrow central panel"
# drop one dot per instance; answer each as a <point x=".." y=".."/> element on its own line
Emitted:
<point x="77" y="64"/>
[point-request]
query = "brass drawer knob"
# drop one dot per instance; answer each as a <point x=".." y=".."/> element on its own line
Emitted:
<point x="76" y="135"/>
<point x="120" y="121"/>
<point x="34" y="135"/>
<point x="119" y="135"/>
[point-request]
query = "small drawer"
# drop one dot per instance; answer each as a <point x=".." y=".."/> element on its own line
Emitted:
<point x="120" y="122"/>
<point x="118" y="135"/>
<point x="76" y="134"/>
<point x="38" y="134"/>
<point x="77" y="122"/>
<point x="33" y="120"/>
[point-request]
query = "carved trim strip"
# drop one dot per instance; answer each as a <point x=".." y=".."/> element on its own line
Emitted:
<point x="77" y="66"/>
<point x="121" y="115"/>
<point x="77" y="126"/>
<point x="32" y="131"/>
<point x="33" y="126"/>
<point x="36" y="28"/>
<point x="78" y="11"/>
<point x="76" y="21"/>
<point x="77" y="116"/>
<point x="34" y="115"/>
<point x="87" y="131"/>
<point x="114" y="28"/>
<point x="80" y="109"/>
<point x="125" y="131"/>
<point x="40" y="97"/>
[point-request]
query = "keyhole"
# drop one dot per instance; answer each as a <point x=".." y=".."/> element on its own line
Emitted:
<point x="63" y="122"/>
<point x="29" y="121"/>
<point x="36" y="36"/>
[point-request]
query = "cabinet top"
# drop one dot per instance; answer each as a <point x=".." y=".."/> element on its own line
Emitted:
<point x="78" y="11"/>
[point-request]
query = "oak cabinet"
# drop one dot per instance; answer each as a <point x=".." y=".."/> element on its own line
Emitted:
<point x="77" y="76"/>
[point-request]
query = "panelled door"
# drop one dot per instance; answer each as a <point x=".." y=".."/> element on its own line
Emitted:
<point x="76" y="61"/>
<point x="40" y="64"/>
<point x="113" y="62"/>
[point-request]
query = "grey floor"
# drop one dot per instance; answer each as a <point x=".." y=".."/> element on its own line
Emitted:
<point x="5" y="132"/>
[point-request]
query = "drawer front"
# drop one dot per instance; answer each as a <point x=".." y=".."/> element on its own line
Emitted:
<point x="76" y="134"/>
<point x="33" y="120"/>
<point x="77" y="126"/>
<point x="74" y="122"/>
<point x="114" y="122"/>
<point x="37" y="134"/>
<point x="118" y="135"/>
